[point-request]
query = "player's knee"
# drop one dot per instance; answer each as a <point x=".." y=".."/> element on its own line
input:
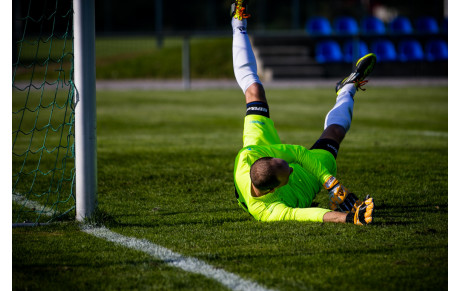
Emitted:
<point x="255" y="92"/>
<point x="335" y="132"/>
<point x="338" y="130"/>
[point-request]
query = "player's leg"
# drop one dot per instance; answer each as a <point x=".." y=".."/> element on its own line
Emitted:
<point x="258" y="127"/>
<point x="244" y="61"/>
<point x="338" y="120"/>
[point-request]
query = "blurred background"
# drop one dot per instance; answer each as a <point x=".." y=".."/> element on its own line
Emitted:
<point x="292" y="39"/>
<point x="115" y="16"/>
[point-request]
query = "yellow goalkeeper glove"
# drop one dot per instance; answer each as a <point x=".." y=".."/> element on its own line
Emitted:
<point x="364" y="213"/>
<point x="339" y="197"/>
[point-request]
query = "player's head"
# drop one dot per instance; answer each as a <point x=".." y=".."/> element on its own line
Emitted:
<point x="269" y="173"/>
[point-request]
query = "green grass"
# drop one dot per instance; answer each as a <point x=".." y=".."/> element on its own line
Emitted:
<point x="42" y="159"/>
<point x="165" y="165"/>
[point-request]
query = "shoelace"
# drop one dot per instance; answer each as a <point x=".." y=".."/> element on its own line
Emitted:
<point x="360" y="85"/>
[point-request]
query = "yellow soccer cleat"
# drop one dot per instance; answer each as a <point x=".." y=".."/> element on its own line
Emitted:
<point x="238" y="9"/>
<point x="362" y="69"/>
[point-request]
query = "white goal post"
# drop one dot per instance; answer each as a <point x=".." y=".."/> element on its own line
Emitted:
<point x="85" y="108"/>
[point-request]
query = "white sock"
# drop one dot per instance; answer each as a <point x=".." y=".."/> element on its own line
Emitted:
<point x="244" y="61"/>
<point x="342" y="112"/>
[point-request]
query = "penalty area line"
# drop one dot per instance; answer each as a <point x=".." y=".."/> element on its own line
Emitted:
<point x="188" y="264"/>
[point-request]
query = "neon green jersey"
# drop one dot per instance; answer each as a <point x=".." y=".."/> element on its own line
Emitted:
<point x="292" y="201"/>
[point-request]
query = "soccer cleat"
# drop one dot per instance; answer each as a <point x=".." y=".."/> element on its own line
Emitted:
<point x="362" y="69"/>
<point x="238" y="9"/>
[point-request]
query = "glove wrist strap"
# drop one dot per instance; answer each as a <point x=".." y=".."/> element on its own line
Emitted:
<point x="349" y="218"/>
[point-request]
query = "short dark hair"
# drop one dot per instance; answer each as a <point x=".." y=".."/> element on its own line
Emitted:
<point x="263" y="174"/>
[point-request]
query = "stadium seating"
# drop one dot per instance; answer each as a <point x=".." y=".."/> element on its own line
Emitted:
<point x="372" y="25"/>
<point x="328" y="51"/>
<point x="410" y="50"/>
<point x="401" y="25"/>
<point x="436" y="50"/>
<point x="384" y="50"/>
<point x="400" y="40"/>
<point x="319" y="26"/>
<point x="427" y="25"/>
<point x="348" y="52"/>
<point x="346" y="26"/>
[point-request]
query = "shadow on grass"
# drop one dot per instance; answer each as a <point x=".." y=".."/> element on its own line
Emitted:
<point x="158" y="219"/>
<point x="398" y="209"/>
<point x="189" y="222"/>
<point x="192" y="211"/>
<point x="386" y="215"/>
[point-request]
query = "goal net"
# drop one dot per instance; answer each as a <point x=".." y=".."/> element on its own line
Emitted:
<point x="43" y="164"/>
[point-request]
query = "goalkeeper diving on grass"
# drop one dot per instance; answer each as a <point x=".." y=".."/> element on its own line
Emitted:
<point x="276" y="181"/>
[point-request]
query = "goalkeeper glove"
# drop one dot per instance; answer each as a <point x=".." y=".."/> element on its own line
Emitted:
<point x="364" y="214"/>
<point x="339" y="197"/>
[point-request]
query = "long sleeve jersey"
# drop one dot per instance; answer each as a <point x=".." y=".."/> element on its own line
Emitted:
<point x="292" y="201"/>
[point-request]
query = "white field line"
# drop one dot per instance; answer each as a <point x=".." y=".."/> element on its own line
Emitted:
<point x="19" y="199"/>
<point x="187" y="264"/>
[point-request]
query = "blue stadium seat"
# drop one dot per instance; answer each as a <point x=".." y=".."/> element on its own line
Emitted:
<point x="401" y="25"/>
<point x="372" y="25"/>
<point x="410" y="50"/>
<point x="346" y="26"/>
<point x="436" y="50"/>
<point x="384" y="50"/>
<point x="328" y="51"/>
<point x="318" y="26"/>
<point x="427" y="25"/>
<point x="348" y="55"/>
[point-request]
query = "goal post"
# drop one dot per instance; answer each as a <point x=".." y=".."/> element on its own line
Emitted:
<point x="85" y="108"/>
<point x="54" y="174"/>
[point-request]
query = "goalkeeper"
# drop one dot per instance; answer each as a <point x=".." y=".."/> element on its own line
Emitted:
<point x="275" y="181"/>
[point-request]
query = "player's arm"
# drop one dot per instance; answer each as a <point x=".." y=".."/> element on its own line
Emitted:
<point x="278" y="211"/>
<point x="335" y="216"/>
<point x="302" y="156"/>
<point x="339" y="197"/>
<point x="364" y="214"/>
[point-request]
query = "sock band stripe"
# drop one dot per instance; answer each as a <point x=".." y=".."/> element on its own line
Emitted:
<point x="258" y="108"/>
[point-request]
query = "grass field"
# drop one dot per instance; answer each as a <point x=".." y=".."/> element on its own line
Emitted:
<point x="165" y="165"/>
<point x="129" y="57"/>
